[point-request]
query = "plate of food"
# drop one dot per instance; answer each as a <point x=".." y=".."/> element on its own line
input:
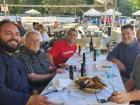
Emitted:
<point x="90" y="85"/>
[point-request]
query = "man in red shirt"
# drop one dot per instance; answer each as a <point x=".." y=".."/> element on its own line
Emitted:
<point x="63" y="49"/>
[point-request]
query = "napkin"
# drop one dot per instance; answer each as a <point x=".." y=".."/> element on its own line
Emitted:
<point x="61" y="83"/>
<point x="104" y="65"/>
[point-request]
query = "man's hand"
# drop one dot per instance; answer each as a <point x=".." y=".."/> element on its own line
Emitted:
<point x="51" y="75"/>
<point x="38" y="100"/>
<point x="121" y="66"/>
<point x="53" y="68"/>
<point x="60" y="70"/>
<point x="64" y="65"/>
<point x="120" y="98"/>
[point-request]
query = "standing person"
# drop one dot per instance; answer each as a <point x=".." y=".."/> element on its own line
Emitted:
<point x="21" y="28"/>
<point x="125" y="52"/>
<point x="13" y="79"/>
<point x="43" y="33"/>
<point x="63" y="49"/>
<point x="45" y="37"/>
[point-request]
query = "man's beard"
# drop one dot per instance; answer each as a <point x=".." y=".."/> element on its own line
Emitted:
<point x="71" y="41"/>
<point x="7" y="48"/>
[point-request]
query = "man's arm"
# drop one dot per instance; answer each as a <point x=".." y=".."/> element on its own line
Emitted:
<point x="134" y="95"/>
<point x="10" y="96"/>
<point x="113" y="57"/>
<point x="38" y="100"/>
<point x="50" y="59"/>
<point x="38" y="77"/>
<point x="130" y="85"/>
<point x="120" y="65"/>
<point x="123" y="97"/>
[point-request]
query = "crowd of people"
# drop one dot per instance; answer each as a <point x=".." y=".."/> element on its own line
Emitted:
<point x="28" y="69"/>
<point x="25" y="68"/>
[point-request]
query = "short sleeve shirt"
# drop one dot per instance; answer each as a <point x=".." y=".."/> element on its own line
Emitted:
<point x="62" y="51"/>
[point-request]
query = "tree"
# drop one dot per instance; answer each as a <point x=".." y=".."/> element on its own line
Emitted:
<point x="89" y="2"/>
<point x="14" y="10"/>
<point x="66" y="10"/>
<point x="135" y="4"/>
<point x="125" y="7"/>
<point x="21" y="10"/>
<point x="33" y="2"/>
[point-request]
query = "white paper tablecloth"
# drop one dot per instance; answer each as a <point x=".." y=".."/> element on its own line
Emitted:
<point x="73" y="96"/>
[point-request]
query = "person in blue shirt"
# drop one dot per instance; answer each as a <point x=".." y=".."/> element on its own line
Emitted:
<point x="13" y="79"/>
<point x="125" y="52"/>
<point x="138" y="36"/>
<point x="132" y="86"/>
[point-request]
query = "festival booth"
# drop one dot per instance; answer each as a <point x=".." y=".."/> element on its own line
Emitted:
<point x="32" y="12"/>
<point x="92" y="12"/>
<point x="93" y="16"/>
<point x="109" y="15"/>
<point x="110" y="12"/>
<point x="136" y="15"/>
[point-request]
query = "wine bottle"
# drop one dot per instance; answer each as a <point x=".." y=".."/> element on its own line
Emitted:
<point x="91" y="45"/>
<point x="84" y="58"/>
<point x="83" y="69"/>
<point x="74" y="68"/>
<point x="71" y="72"/>
<point x="79" y="50"/>
<point x="94" y="55"/>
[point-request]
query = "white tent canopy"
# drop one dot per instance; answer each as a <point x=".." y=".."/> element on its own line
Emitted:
<point x="92" y="12"/>
<point x="109" y="12"/>
<point x="105" y="1"/>
<point x="137" y="13"/>
<point x="32" y="12"/>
